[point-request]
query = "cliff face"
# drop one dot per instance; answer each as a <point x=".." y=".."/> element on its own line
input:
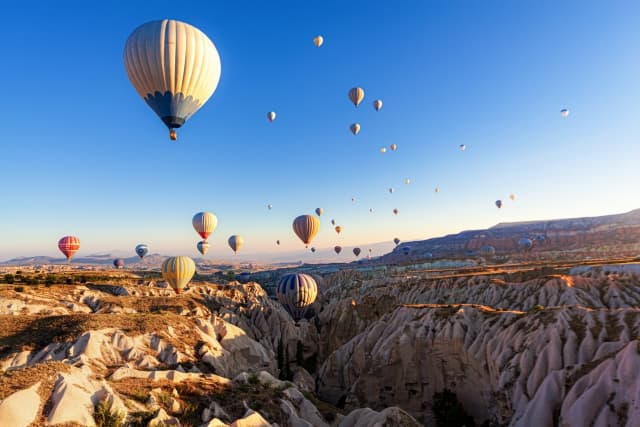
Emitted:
<point x="606" y="234"/>
<point x="545" y="351"/>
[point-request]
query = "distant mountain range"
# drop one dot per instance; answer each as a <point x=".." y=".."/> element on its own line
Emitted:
<point x="602" y="235"/>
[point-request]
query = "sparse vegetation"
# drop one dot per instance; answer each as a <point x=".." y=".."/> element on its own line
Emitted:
<point x="106" y="416"/>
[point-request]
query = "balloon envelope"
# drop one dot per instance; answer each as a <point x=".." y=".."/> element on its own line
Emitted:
<point x="318" y="40"/>
<point x="564" y="112"/>
<point x="204" y="223"/>
<point x="393" y="147"/>
<point x="356" y="95"/>
<point x="174" y="67"/>
<point x="118" y="263"/>
<point x="69" y="245"/>
<point x="395" y="211"/>
<point x="296" y="292"/>
<point x="396" y="240"/>
<point x="499" y="203"/>
<point x="306" y="228"/>
<point x="337" y="249"/>
<point x="488" y="250"/>
<point x="377" y="104"/>
<point x="271" y="116"/>
<point x="356" y="251"/>
<point x="319" y="211"/>
<point x="178" y="271"/>
<point x="235" y="242"/>
<point x="338" y="229"/>
<point x="142" y="250"/>
<point x="512" y="196"/>
<point x="203" y="247"/>
<point x="463" y="147"/>
<point x="525" y="244"/>
<point x="383" y="149"/>
<point x="355" y="128"/>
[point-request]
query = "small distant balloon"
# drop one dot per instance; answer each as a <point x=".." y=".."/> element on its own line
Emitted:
<point x="353" y="200"/>
<point x="319" y="211"/>
<point x="437" y="190"/>
<point x="377" y="104"/>
<point x="355" y="128"/>
<point x="383" y="149"/>
<point x="271" y="116"/>
<point x="564" y="112"/>
<point x="407" y="181"/>
<point x="525" y="244"/>
<point x="396" y="241"/>
<point x="338" y="229"/>
<point x="236" y="242"/>
<point x="356" y="251"/>
<point x="499" y="203"/>
<point x="512" y="196"/>
<point x="338" y="249"/>
<point x="395" y="211"/>
<point x="69" y="245"/>
<point x="356" y="95"/>
<point x="371" y="210"/>
<point x="463" y="147"/>
<point x="278" y="242"/>
<point x="118" y="263"/>
<point x="406" y="250"/>
<point x="318" y="40"/>
<point x="333" y="222"/>
<point x="142" y="250"/>
<point x="269" y="207"/>
<point x="391" y="190"/>
<point x="393" y="147"/>
<point x="313" y="250"/>
<point x="203" y="247"/>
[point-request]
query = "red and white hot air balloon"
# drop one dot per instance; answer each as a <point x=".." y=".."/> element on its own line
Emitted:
<point x="69" y="245"/>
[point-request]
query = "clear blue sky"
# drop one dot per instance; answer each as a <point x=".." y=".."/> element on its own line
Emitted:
<point x="82" y="154"/>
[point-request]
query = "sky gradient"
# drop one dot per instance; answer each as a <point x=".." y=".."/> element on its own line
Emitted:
<point x="84" y="155"/>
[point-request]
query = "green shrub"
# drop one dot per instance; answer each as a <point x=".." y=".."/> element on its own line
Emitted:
<point x="19" y="289"/>
<point x="9" y="278"/>
<point x="105" y="416"/>
<point x="253" y="379"/>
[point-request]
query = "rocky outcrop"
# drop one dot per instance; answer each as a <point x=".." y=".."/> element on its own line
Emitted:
<point x="21" y="408"/>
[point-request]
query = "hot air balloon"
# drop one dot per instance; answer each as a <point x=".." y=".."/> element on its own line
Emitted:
<point x="333" y="222"/>
<point x="297" y="292"/>
<point x="525" y="244"/>
<point x="393" y="147"/>
<point x="337" y="249"/>
<point x="69" y="245"/>
<point x="406" y="250"/>
<point x="278" y="242"/>
<point x="243" y="277"/>
<point x="236" y="242"/>
<point x="487" y="250"/>
<point x="396" y="240"/>
<point x="355" y="128"/>
<point x="353" y="200"/>
<point x="383" y="150"/>
<point x="540" y="238"/>
<point x="178" y="271"/>
<point x="395" y="211"/>
<point x="407" y="181"/>
<point x="118" y="263"/>
<point x="564" y="113"/>
<point x="271" y="116"/>
<point x="391" y="190"/>
<point x="204" y="223"/>
<point x="338" y="229"/>
<point x="512" y="196"/>
<point x="377" y="104"/>
<point x="499" y="203"/>
<point x="203" y="247"/>
<point x="269" y="206"/>
<point x="319" y="211"/>
<point x="313" y="250"/>
<point x="356" y="95"/>
<point x="318" y="40"/>
<point x="142" y="250"/>
<point x="356" y="251"/>
<point x="437" y="190"/>
<point x="306" y="227"/>
<point x="463" y="147"/>
<point x="174" y="67"/>
<point x="371" y="210"/>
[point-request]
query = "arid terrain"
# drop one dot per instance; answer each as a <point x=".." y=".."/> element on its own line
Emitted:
<point x="519" y="345"/>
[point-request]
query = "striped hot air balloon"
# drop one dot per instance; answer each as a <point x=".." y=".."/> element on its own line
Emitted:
<point x="204" y="223"/>
<point x="306" y="228"/>
<point x="174" y="67"/>
<point x="355" y="128"/>
<point x="69" y="245"/>
<point x="297" y="292"/>
<point x="319" y="211"/>
<point x="142" y="250"/>
<point x="118" y="263"/>
<point x="235" y="242"/>
<point x="356" y="95"/>
<point x="178" y="271"/>
<point x="203" y="247"/>
<point x="377" y="104"/>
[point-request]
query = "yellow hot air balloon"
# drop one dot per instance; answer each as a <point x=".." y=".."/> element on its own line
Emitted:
<point x="306" y="227"/>
<point x="204" y="223"/>
<point x="235" y="242"/>
<point x="383" y="150"/>
<point x="318" y="40"/>
<point x="174" y="67"/>
<point x="393" y="147"/>
<point x="271" y="116"/>
<point x="407" y="181"/>
<point x="355" y="128"/>
<point x="338" y="229"/>
<point x="178" y="271"/>
<point x="512" y="196"/>
<point x="356" y="95"/>
<point x="377" y="104"/>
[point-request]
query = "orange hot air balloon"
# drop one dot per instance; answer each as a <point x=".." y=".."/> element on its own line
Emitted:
<point x="306" y="228"/>
<point x="393" y="147"/>
<point x="338" y="229"/>
<point x="69" y="245"/>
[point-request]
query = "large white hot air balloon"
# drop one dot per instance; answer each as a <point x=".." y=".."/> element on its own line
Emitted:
<point x="174" y="67"/>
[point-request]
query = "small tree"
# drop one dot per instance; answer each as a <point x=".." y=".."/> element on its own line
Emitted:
<point x="8" y="278"/>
